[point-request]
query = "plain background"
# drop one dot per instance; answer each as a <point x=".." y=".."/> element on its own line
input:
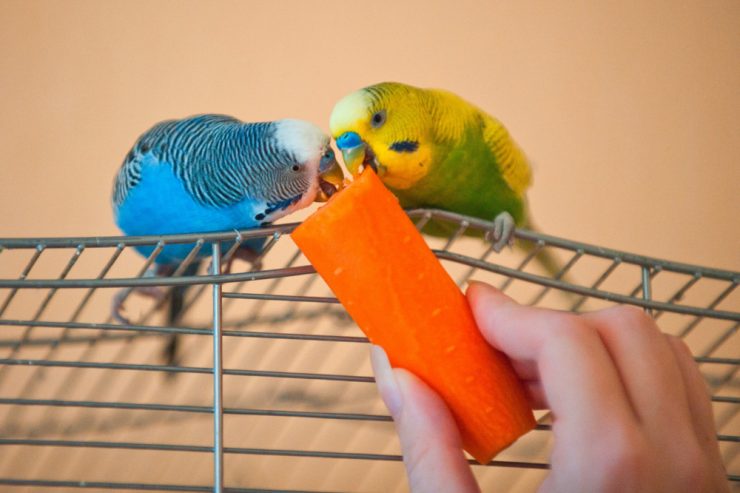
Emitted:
<point x="630" y="111"/>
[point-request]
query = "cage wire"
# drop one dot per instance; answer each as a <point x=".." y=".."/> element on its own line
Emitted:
<point x="272" y="389"/>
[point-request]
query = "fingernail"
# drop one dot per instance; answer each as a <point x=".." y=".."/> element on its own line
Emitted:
<point x="474" y="285"/>
<point x="483" y="299"/>
<point x="477" y="294"/>
<point x="482" y="293"/>
<point x="386" y="380"/>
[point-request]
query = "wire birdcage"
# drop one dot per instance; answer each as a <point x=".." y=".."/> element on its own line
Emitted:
<point x="273" y="390"/>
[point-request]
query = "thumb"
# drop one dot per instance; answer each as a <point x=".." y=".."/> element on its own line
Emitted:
<point x="430" y="440"/>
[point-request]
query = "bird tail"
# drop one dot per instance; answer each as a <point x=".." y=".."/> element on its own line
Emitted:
<point x="551" y="264"/>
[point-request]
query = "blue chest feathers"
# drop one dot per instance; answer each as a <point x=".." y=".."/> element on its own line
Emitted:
<point x="159" y="204"/>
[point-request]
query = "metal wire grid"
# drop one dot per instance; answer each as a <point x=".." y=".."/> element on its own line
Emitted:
<point x="285" y="402"/>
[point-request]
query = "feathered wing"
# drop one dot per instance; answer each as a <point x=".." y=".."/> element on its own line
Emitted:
<point x="129" y="174"/>
<point x="220" y="160"/>
<point x="513" y="164"/>
<point x="223" y="161"/>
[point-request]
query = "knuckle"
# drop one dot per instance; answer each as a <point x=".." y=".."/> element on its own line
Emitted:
<point x="569" y="326"/>
<point x="625" y="453"/>
<point x="639" y="464"/>
<point x="632" y="315"/>
<point x="629" y="319"/>
<point x="624" y="457"/>
<point x="690" y="466"/>
<point x="416" y="458"/>
<point x="679" y="345"/>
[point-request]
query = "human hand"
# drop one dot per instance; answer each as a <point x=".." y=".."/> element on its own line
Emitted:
<point x="631" y="411"/>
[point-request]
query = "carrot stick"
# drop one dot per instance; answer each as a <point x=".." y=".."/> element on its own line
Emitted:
<point x="381" y="269"/>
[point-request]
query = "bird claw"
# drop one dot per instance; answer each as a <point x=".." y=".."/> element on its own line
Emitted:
<point x="250" y="255"/>
<point x="119" y="299"/>
<point x="503" y="231"/>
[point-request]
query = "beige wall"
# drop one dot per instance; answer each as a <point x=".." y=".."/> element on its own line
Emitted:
<point x="629" y="110"/>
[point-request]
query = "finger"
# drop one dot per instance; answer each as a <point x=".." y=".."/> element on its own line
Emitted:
<point x="536" y="395"/>
<point x="579" y="379"/>
<point x="385" y="380"/>
<point x="648" y="369"/>
<point x="698" y="396"/>
<point x="526" y="370"/>
<point x="430" y="440"/>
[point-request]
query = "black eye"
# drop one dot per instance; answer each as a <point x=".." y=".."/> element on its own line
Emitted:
<point x="296" y="167"/>
<point x="327" y="158"/>
<point x="378" y="119"/>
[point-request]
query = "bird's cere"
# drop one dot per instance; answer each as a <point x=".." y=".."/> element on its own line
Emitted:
<point x="348" y="140"/>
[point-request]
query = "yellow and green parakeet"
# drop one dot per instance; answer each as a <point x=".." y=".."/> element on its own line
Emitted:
<point x="433" y="149"/>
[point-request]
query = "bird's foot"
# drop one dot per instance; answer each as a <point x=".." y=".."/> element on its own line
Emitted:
<point x="248" y="255"/>
<point x="171" y="351"/>
<point x="503" y="231"/>
<point x="119" y="300"/>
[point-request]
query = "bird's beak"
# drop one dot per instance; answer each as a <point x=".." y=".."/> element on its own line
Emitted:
<point x="354" y="150"/>
<point x="331" y="180"/>
<point x="354" y="157"/>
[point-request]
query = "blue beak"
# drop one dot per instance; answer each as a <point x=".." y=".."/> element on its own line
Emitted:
<point x="353" y="151"/>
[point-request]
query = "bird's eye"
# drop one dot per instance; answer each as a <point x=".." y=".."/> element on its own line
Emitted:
<point x="327" y="157"/>
<point x="327" y="160"/>
<point x="296" y="167"/>
<point x="378" y="119"/>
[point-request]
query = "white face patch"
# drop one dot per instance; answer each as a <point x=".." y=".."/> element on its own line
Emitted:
<point x="308" y="143"/>
<point x="348" y="111"/>
<point x="304" y="139"/>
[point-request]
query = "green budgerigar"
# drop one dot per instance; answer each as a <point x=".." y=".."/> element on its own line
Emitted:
<point x="433" y="149"/>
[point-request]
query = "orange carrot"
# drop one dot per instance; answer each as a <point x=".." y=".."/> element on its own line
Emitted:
<point x="381" y="269"/>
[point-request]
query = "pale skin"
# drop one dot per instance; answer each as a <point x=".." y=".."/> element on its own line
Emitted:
<point x="630" y="409"/>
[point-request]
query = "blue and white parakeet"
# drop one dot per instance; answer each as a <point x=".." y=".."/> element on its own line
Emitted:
<point x="211" y="173"/>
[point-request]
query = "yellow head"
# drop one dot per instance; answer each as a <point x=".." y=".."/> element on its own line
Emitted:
<point x="387" y="126"/>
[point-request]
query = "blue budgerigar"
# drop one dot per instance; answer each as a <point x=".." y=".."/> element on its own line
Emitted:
<point x="215" y="173"/>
